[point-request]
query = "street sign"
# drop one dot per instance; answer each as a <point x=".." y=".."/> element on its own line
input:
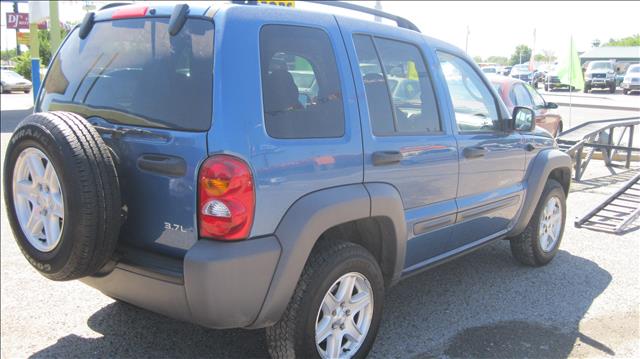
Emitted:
<point x="24" y="38"/>
<point x="17" y="20"/>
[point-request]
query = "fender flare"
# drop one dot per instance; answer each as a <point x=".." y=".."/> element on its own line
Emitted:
<point x="303" y="224"/>
<point x="539" y="170"/>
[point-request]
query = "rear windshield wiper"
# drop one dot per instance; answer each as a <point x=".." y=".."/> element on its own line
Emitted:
<point x="118" y="132"/>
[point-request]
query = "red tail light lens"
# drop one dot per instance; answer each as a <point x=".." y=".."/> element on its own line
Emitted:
<point x="226" y="198"/>
<point x="129" y="12"/>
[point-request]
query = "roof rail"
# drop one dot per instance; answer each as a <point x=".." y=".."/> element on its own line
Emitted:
<point x="114" y="4"/>
<point x="402" y="22"/>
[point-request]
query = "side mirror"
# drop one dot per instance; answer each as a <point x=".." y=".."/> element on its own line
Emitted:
<point x="523" y="119"/>
<point x="552" y="105"/>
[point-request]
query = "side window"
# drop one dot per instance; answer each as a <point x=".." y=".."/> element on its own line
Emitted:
<point x="520" y="96"/>
<point x="474" y="106"/>
<point x="538" y="101"/>
<point x="300" y="83"/>
<point x="398" y="88"/>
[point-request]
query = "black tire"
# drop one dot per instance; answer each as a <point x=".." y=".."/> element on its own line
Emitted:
<point x="89" y="182"/>
<point x="612" y="89"/>
<point x="586" y="89"/>
<point x="626" y="92"/>
<point x="526" y="247"/>
<point x="546" y="88"/>
<point x="293" y="336"/>
<point x="27" y="91"/>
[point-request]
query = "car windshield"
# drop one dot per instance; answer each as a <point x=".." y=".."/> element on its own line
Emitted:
<point x="520" y="69"/>
<point x="634" y="70"/>
<point x="10" y="75"/>
<point x="600" y="66"/>
<point x="489" y="70"/>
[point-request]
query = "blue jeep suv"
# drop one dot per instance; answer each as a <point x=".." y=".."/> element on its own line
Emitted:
<point x="255" y="166"/>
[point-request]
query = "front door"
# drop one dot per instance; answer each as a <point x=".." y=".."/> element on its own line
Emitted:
<point x="492" y="159"/>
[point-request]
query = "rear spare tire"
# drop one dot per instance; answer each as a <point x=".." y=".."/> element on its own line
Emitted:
<point x="62" y="195"/>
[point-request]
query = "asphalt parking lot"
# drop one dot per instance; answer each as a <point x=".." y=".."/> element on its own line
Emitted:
<point x="585" y="303"/>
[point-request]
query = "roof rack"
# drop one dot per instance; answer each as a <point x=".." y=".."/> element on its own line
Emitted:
<point x="114" y="4"/>
<point x="402" y="22"/>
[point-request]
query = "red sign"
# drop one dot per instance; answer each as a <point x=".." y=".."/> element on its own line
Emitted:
<point x="17" y="20"/>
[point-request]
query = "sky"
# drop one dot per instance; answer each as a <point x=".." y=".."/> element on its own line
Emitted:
<point x="495" y="27"/>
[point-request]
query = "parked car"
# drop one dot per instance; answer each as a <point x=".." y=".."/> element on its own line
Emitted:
<point x="631" y="80"/>
<point x="516" y="92"/>
<point x="224" y="201"/>
<point x="12" y="81"/>
<point x="522" y="72"/>
<point x="506" y="70"/>
<point x="600" y="74"/>
<point x="489" y="70"/>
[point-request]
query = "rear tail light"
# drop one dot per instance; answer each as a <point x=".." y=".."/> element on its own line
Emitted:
<point x="226" y="198"/>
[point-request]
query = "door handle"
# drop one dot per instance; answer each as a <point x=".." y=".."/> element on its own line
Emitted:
<point x="474" y="152"/>
<point x="163" y="164"/>
<point x="386" y="157"/>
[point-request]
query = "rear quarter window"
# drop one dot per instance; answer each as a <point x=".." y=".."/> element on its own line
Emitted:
<point x="133" y="72"/>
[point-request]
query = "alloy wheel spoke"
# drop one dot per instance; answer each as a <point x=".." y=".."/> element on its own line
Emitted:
<point x="34" y="224"/>
<point x="345" y="289"/>
<point x="36" y="168"/>
<point x="359" y="302"/>
<point x="352" y="331"/>
<point x="323" y="329"/>
<point x="334" y="345"/>
<point x="51" y="229"/>
<point x="57" y="207"/>
<point x="26" y="189"/>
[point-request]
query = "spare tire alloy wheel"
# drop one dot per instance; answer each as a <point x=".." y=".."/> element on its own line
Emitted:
<point x="38" y="199"/>
<point x="345" y="316"/>
<point x="62" y="195"/>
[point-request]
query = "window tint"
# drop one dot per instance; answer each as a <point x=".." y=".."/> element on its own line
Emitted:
<point x="413" y="107"/>
<point x="520" y="96"/>
<point x="538" y="101"/>
<point x="300" y="83"/>
<point x="474" y="106"/>
<point x="132" y="72"/>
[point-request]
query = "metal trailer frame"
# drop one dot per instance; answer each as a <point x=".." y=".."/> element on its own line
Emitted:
<point x="589" y="134"/>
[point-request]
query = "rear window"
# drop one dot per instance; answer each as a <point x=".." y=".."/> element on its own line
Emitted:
<point x="133" y="72"/>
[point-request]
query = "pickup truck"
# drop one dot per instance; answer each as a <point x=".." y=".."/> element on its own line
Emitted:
<point x="256" y="166"/>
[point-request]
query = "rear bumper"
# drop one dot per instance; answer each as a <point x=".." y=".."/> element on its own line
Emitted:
<point x="630" y="86"/>
<point x="14" y="87"/>
<point x="223" y="284"/>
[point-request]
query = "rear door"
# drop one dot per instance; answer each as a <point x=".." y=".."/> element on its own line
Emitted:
<point x="407" y="143"/>
<point x="149" y="94"/>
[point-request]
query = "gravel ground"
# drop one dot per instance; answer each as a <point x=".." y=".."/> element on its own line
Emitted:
<point x="584" y="304"/>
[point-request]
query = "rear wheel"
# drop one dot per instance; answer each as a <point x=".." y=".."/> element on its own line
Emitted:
<point x="586" y="89"/>
<point x="62" y="195"/>
<point x="538" y="244"/>
<point x="625" y="91"/>
<point x="336" y="308"/>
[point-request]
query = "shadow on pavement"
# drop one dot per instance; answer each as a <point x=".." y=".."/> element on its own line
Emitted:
<point x="11" y="118"/>
<point x="510" y="302"/>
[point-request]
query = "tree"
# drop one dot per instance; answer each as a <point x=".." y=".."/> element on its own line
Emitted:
<point x="8" y="54"/>
<point x="500" y="60"/>
<point x="477" y="59"/>
<point x="521" y="55"/>
<point x="633" y="40"/>
<point x="595" y="43"/>
<point x="23" y="62"/>
<point x="546" y="56"/>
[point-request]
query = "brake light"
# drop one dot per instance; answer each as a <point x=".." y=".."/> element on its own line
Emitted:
<point x="130" y="12"/>
<point x="226" y="198"/>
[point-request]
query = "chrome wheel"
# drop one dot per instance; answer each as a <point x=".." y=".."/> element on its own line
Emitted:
<point x="550" y="224"/>
<point x="38" y="199"/>
<point x="344" y="317"/>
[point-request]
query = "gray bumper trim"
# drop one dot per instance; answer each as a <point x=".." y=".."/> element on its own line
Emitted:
<point x="225" y="284"/>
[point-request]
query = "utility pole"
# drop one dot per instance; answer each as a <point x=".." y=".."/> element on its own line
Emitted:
<point x="466" y="42"/>
<point x="55" y="25"/>
<point x="378" y="7"/>
<point x="15" y="10"/>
